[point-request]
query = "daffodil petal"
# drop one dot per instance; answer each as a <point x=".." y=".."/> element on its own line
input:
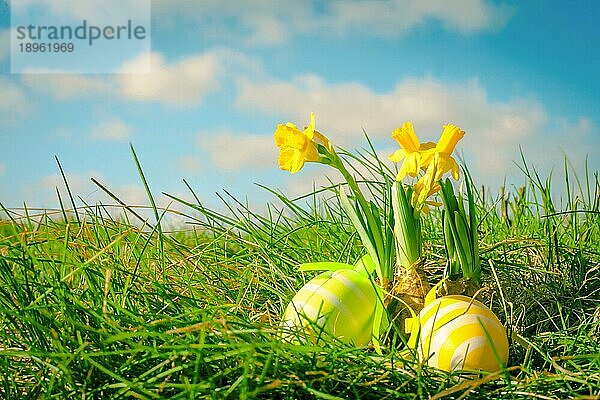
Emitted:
<point x="281" y="134"/>
<point x="290" y="159"/>
<point x="289" y="135"/>
<point x="406" y="137"/>
<point x="309" y="131"/>
<point x="450" y="137"/>
<point x="426" y="187"/>
<point x="322" y="139"/>
<point x="455" y="169"/>
<point x="410" y="166"/>
<point x="297" y="141"/>
<point x="427" y="155"/>
<point x="297" y="147"/>
<point x="397" y="156"/>
<point x="400" y="175"/>
<point x="311" y="153"/>
<point x="445" y="163"/>
<point x="297" y="163"/>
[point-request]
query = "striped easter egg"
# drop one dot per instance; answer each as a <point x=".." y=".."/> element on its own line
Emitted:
<point x="460" y="333"/>
<point x="339" y="303"/>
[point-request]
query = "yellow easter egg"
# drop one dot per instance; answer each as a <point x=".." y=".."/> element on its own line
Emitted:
<point x="339" y="303"/>
<point x="460" y="333"/>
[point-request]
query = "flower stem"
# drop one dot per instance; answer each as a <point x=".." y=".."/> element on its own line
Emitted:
<point x="371" y="222"/>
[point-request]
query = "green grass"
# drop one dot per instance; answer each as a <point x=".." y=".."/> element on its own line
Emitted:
<point x="97" y="307"/>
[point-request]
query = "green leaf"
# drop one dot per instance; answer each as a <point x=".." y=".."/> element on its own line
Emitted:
<point x="362" y="232"/>
<point x="390" y="249"/>
<point x="375" y="227"/>
<point x="461" y="205"/>
<point x="463" y="245"/>
<point x="448" y="198"/>
<point x="406" y="228"/>
<point x="365" y="265"/>
<point x="324" y="266"/>
<point x="452" y="268"/>
<point x="379" y="319"/>
<point x="474" y="223"/>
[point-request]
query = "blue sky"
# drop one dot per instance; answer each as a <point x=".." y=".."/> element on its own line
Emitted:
<point x="224" y="74"/>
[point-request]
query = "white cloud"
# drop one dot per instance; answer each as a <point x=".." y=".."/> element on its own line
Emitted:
<point x="189" y="164"/>
<point x="13" y="102"/>
<point x="183" y="83"/>
<point x="131" y="194"/>
<point x="232" y="152"/>
<point x="495" y="129"/>
<point x="12" y="98"/>
<point x="44" y="190"/>
<point x="68" y="86"/>
<point x="343" y="109"/>
<point x="392" y="18"/>
<point x="111" y="130"/>
<point x="272" y="22"/>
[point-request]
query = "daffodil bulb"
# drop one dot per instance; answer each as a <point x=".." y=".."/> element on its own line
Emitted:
<point x="459" y="333"/>
<point x="340" y="303"/>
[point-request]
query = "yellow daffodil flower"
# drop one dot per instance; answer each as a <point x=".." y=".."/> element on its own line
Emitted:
<point x="443" y="151"/>
<point x="426" y="187"/>
<point x="434" y="159"/>
<point x="412" y="151"/>
<point x="297" y="147"/>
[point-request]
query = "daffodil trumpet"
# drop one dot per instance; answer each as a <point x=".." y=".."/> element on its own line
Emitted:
<point x="300" y="146"/>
